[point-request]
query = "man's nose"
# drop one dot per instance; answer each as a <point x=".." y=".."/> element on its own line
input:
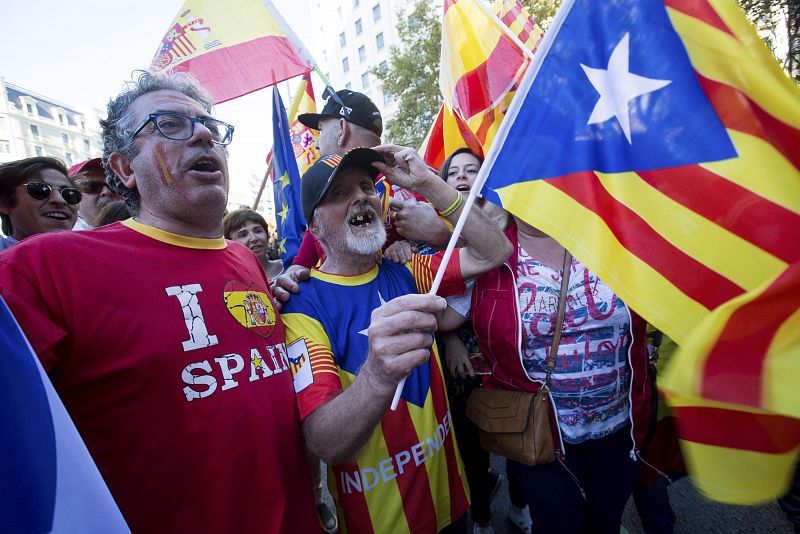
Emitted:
<point x="201" y="134"/>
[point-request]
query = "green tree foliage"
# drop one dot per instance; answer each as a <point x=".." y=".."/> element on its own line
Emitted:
<point x="411" y="76"/>
<point x="771" y="17"/>
<point x="542" y="11"/>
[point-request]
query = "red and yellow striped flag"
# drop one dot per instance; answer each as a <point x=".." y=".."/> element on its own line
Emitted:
<point x="233" y="47"/>
<point x="658" y="141"/>
<point x="304" y="139"/>
<point x="483" y="63"/>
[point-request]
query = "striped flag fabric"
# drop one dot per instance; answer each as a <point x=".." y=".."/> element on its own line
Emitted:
<point x="290" y="223"/>
<point x="232" y="47"/>
<point x="48" y="481"/>
<point x="464" y="37"/>
<point x="304" y="139"/>
<point x="657" y="140"/>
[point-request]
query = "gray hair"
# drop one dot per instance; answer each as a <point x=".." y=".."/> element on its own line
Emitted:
<point x="117" y="128"/>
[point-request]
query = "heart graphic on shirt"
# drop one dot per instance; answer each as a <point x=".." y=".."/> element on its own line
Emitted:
<point x="251" y="307"/>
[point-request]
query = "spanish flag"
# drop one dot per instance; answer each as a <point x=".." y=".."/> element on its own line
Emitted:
<point x="232" y="47"/>
<point x="657" y="140"/>
<point x="476" y="61"/>
<point x="304" y="139"/>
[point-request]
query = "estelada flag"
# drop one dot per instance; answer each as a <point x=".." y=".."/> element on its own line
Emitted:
<point x="657" y="141"/>
<point x="304" y="139"/>
<point x="464" y="37"/>
<point x="232" y="47"/>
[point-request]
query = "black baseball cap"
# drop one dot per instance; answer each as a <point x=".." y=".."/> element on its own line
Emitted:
<point x="348" y="105"/>
<point x="319" y="177"/>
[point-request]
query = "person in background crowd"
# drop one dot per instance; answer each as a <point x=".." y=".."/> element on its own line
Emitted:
<point x="345" y="376"/>
<point x="114" y="211"/>
<point x="35" y="197"/>
<point x="601" y="388"/>
<point x="90" y="179"/>
<point x="250" y="229"/>
<point x="162" y="338"/>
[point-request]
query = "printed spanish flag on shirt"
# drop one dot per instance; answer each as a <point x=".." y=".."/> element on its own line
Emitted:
<point x="233" y="47"/>
<point x="657" y="141"/>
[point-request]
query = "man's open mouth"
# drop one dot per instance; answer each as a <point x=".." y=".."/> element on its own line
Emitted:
<point x="361" y="220"/>
<point x="205" y="164"/>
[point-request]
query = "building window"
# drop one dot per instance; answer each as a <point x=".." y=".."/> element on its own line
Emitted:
<point x="387" y="100"/>
<point x="2" y="123"/>
<point x="38" y="150"/>
<point x="362" y="54"/>
<point x="342" y="39"/>
<point x="68" y="158"/>
<point x="87" y="145"/>
<point x="61" y="118"/>
<point x="355" y="3"/>
<point x="29" y="108"/>
<point x="379" y="41"/>
<point x="65" y="138"/>
<point x="339" y="12"/>
<point x="345" y="65"/>
<point x="83" y="125"/>
<point x="376" y="12"/>
<point x="365" y="80"/>
<point x="359" y="29"/>
<point x="348" y="86"/>
<point x="5" y="147"/>
<point x="34" y="131"/>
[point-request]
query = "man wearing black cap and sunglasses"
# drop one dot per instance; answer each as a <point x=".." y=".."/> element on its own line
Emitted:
<point x="90" y="179"/>
<point x="35" y="197"/>
<point x="393" y="471"/>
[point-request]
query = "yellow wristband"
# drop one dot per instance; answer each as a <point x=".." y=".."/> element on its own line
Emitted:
<point x="454" y="206"/>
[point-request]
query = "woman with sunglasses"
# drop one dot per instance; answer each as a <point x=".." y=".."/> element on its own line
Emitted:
<point x="36" y="196"/>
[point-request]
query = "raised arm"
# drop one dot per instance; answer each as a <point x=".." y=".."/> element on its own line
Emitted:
<point x="487" y="246"/>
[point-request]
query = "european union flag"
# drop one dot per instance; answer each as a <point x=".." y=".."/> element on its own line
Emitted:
<point x="286" y="185"/>
<point x="615" y="92"/>
<point x="48" y="481"/>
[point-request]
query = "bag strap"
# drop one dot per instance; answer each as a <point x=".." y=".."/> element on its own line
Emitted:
<point x="562" y="304"/>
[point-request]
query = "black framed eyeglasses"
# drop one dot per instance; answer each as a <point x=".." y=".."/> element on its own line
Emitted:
<point x="90" y="187"/>
<point x="179" y="127"/>
<point x="329" y="92"/>
<point x="42" y="191"/>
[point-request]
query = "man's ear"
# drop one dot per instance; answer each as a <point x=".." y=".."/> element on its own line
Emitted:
<point x="313" y="227"/>
<point x="344" y="132"/>
<point x="121" y="165"/>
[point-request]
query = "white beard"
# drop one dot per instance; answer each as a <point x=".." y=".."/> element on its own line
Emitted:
<point x="354" y="241"/>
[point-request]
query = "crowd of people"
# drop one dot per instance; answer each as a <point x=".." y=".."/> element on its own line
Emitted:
<point x="209" y="383"/>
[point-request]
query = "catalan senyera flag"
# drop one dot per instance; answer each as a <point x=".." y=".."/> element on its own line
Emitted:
<point x="232" y="47"/>
<point x="290" y="223"/>
<point x="657" y="140"/>
<point x="304" y="139"/>
<point x="465" y="37"/>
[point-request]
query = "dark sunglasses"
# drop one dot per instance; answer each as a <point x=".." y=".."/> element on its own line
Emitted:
<point x="329" y="92"/>
<point x="42" y="191"/>
<point x="90" y="187"/>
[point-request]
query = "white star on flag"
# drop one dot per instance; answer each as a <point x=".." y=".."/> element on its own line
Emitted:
<point x="364" y="332"/>
<point x="617" y="87"/>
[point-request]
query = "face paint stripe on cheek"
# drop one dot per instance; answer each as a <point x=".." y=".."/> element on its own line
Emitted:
<point x="166" y="177"/>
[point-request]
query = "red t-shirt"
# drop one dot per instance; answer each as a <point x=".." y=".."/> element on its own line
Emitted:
<point x="170" y="358"/>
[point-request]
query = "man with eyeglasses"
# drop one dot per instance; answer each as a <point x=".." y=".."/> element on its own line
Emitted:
<point x="90" y="179"/>
<point x="162" y="338"/>
<point x="35" y="197"/>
